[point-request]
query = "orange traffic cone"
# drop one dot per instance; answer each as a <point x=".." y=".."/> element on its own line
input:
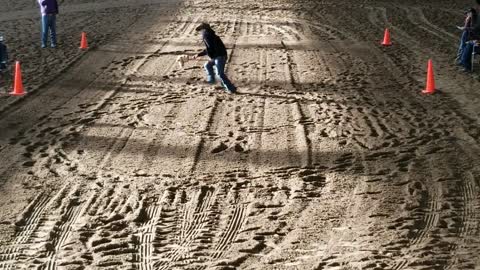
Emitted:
<point x="18" y="84"/>
<point x="386" y="38"/>
<point x="83" y="41"/>
<point x="430" y="89"/>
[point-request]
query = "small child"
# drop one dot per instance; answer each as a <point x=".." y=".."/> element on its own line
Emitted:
<point x="216" y="51"/>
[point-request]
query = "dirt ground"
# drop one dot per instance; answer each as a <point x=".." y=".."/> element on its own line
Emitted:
<point x="328" y="157"/>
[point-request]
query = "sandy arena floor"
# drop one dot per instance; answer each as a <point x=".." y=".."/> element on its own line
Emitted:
<point x="327" y="158"/>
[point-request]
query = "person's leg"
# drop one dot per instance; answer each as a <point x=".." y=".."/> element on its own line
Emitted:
<point x="5" y="80"/>
<point x="467" y="56"/>
<point x="220" y="65"/>
<point x="461" y="46"/>
<point x="53" y="30"/>
<point x="44" y="30"/>
<point x="2" y="79"/>
<point x="209" y="69"/>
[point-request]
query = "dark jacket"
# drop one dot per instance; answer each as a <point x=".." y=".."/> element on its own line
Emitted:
<point x="48" y="6"/>
<point x="215" y="47"/>
<point x="474" y="26"/>
<point x="3" y="56"/>
<point x="476" y="30"/>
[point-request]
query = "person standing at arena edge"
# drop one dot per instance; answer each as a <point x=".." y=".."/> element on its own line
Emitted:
<point x="215" y="49"/>
<point x="4" y="74"/>
<point x="3" y="63"/>
<point x="49" y="10"/>
<point x="3" y="55"/>
<point x="471" y="18"/>
<point x="473" y="43"/>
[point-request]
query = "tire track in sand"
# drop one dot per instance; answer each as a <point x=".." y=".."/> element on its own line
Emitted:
<point x="298" y="113"/>
<point x="148" y="232"/>
<point x="426" y="218"/>
<point x="417" y="17"/>
<point x="31" y="217"/>
<point x="198" y="222"/>
<point x="49" y="226"/>
<point x="235" y="223"/>
<point x="470" y="217"/>
<point x="193" y="218"/>
<point x="462" y="251"/>
<point x="63" y="228"/>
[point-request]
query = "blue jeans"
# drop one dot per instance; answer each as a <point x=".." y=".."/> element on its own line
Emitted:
<point x="48" y="24"/>
<point x="461" y="46"/>
<point x="5" y="78"/>
<point x="466" y="60"/>
<point x="219" y="63"/>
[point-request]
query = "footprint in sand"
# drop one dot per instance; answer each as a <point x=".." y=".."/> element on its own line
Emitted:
<point x="220" y="147"/>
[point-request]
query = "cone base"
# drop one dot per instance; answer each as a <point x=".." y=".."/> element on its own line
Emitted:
<point x="428" y="92"/>
<point x="386" y="44"/>
<point x="86" y="48"/>
<point x="16" y="94"/>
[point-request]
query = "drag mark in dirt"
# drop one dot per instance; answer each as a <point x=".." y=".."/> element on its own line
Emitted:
<point x="256" y="132"/>
<point x="298" y="113"/>
<point x="206" y="129"/>
<point x="328" y="32"/>
<point x="287" y="32"/>
<point x="303" y="141"/>
<point x="416" y="16"/>
<point x="185" y="28"/>
<point x="116" y="147"/>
